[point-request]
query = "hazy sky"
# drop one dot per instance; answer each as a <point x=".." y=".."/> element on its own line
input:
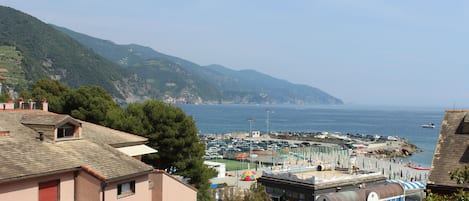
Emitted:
<point x="396" y="52"/>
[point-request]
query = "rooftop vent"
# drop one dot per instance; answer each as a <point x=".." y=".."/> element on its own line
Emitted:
<point x="41" y="135"/>
<point x="4" y="132"/>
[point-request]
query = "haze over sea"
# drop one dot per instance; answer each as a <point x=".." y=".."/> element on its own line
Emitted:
<point x="380" y="120"/>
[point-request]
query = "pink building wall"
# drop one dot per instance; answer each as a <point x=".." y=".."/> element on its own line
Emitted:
<point x="88" y="188"/>
<point x="28" y="189"/>
<point x="157" y="182"/>
<point x="168" y="188"/>
<point x="142" y="190"/>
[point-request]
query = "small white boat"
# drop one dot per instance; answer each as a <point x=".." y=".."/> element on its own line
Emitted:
<point x="429" y="125"/>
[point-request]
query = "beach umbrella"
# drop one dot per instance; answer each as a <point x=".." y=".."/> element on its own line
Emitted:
<point x="241" y="156"/>
<point x="249" y="175"/>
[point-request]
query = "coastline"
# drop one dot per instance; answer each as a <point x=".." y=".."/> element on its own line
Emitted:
<point x="366" y="145"/>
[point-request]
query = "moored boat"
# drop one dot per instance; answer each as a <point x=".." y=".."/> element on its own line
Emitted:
<point x="417" y="167"/>
<point x="429" y="125"/>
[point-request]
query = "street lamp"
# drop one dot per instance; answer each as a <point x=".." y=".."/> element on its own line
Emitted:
<point x="268" y="132"/>
<point x="250" y="142"/>
<point x="267" y="121"/>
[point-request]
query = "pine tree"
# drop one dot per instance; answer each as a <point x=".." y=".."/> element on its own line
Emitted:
<point x="174" y="135"/>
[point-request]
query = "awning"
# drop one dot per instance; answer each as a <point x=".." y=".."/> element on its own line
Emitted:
<point x="409" y="185"/>
<point x="137" y="150"/>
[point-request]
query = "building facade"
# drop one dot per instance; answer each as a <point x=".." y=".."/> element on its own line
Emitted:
<point x="48" y="157"/>
<point x="308" y="184"/>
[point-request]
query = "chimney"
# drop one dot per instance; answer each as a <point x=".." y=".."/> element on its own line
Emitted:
<point x="41" y="135"/>
<point x="45" y="105"/>
<point x="32" y="105"/>
<point x="10" y="105"/>
<point x="20" y="103"/>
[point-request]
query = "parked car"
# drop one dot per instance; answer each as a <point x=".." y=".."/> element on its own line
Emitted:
<point x="216" y="156"/>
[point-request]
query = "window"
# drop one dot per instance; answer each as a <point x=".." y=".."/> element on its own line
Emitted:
<point x="65" y="131"/>
<point x="49" y="191"/>
<point x="126" y="189"/>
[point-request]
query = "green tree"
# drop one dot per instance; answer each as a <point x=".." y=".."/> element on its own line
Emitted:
<point x="52" y="90"/>
<point x="461" y="176"/>
<point x="88" y="103"/>
<point x="4" y="98"/>
<point x="173" y="134"/>
<point x="256" y="192"/>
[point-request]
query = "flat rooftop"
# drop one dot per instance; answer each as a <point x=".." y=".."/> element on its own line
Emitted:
<point x="310" y="175"/>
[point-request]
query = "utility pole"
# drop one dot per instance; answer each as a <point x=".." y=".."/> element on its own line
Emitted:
<point x="268" y="133"/>
<point x="250" y="142"/>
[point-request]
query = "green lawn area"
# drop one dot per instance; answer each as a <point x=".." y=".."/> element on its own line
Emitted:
<point x="234" y="164"/>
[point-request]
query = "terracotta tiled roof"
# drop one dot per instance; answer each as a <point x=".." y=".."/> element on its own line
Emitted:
<point x="104" y="135"/>
<point x="45" y="119"/>
<point x="452" y="150"/>
<point x="22" y="155"/>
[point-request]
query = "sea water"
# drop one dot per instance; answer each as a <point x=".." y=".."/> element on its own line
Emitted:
<point x="368" y="120"/>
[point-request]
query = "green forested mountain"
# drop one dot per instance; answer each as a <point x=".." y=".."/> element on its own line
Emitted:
<point x="46" y="52"/>
<point x="31" y="49"/>
<point x="164" y="75"/>
<point x="220" y="84"/>
<point x="264" y="88"/>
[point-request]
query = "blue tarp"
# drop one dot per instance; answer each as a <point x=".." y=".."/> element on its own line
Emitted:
<point x="213" y="186"/>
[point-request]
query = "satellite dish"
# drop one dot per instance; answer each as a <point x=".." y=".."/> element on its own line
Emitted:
<point x="373" y="196"/>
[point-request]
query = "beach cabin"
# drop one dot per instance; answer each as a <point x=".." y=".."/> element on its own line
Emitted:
<point x="389" y="192"/>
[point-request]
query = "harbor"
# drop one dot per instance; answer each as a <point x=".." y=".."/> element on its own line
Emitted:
<point x="272" y="149"/>
<point x="320" y="143"/>
<point x="318" y="167"/>
<point x="219" y="120"/>
<point x="284" y="155"/>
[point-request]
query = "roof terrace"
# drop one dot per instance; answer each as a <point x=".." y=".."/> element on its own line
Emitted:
<point x="323" y="179"/>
